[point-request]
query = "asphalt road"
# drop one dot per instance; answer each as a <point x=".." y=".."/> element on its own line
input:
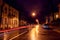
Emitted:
<point x="38" y="33"/>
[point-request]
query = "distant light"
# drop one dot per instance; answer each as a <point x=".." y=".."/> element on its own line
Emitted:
<point x="57" y="16"/>
<point x="37" y="20"/>
<point x="33" y="14"/>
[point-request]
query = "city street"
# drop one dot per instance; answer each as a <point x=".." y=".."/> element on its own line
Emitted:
<point x="33" y="32"/>
<point x="38" y="33"/>
<point x="29" y="20"/>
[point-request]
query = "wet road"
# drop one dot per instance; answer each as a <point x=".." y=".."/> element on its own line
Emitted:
<point x="38" y="33"/>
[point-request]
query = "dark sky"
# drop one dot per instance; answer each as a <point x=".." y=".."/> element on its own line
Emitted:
<point x="41" y="7"/>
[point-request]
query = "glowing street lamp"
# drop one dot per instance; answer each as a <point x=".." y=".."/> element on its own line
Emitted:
<point x="33" y="14"/>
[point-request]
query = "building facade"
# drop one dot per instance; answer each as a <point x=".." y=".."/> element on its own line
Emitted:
<point x="10" y="16"/>
<point x="57" y="14"/>
<point x="53" y="16"/>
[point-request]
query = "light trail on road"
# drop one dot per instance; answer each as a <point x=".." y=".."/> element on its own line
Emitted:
<point x="7" y="30"/>
<point x="33" y="35"/>
<point x="37" y="28"/>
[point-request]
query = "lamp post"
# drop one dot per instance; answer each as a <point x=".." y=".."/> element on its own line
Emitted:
<point x="34" y="15"/>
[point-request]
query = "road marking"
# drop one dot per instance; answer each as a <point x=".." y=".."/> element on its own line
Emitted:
<point x="17" y="35"/>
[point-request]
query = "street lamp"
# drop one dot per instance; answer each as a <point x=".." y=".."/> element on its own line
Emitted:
<point x="33" y="14"/>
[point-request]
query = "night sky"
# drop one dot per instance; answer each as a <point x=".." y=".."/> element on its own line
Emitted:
<point x="41" y="7"/>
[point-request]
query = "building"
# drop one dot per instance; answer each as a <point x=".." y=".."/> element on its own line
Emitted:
<point x="53" y="16"/>
<point x="57" y="14"/>
<point x="9" y="16"/>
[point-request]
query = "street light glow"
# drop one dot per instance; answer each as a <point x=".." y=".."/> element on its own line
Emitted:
<point x="33" y="35"/>
<point x="33" y="14"/>
<point x="37" y="20"/>
<point x="57" y="16"/>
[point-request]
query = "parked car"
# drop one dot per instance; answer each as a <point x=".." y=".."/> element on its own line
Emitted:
<point x="46" y="26"/>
